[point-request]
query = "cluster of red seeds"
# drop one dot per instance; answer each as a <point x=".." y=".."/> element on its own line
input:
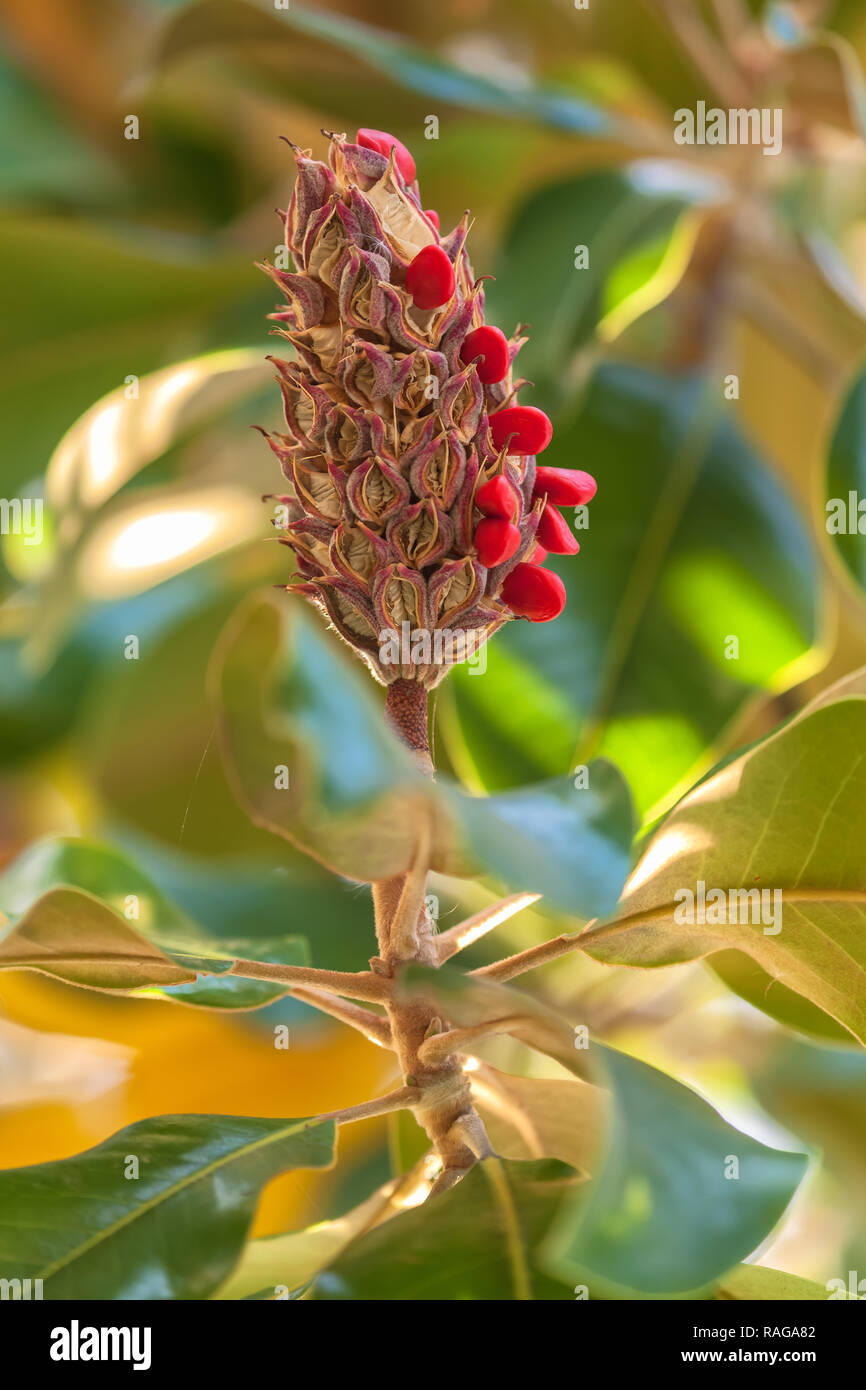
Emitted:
<point x="529" y="590"/>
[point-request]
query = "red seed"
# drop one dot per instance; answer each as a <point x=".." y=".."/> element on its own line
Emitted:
<point x="534" y="593"/>
<point x="432" y="216"/>
<point x="497" y="498"/>
<point x="530" y="428"/>
<point x="564" y="487"/>
<point x="495" y="541"/>
<point x="384" y="143"/>
<point x="555" y="534"/>
<point x="490" y="345"/>
<point x="430" y="278"/>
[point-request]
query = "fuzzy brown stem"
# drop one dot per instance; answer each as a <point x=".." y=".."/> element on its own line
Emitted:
<point x="405" y="931"/>
<point x="406" y="715"/>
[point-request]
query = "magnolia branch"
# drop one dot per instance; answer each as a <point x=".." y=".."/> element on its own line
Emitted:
<point x="473" y="928"/>
<point x="373" y="1027"/>
<point x="443" y="1045"/>
<point x="369" y="1109"/>
<point x="363" y="984"/>
<point x="530" y="959"/>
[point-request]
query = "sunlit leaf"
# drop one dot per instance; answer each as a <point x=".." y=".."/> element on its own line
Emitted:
<point x="532" y="1117"/>
<point x="292" y="1260"/>
<point x="763" y="857"/>
<point x="86" y="914"/>
<point x="138" y="421"/>
<point x="758" y="1283"/>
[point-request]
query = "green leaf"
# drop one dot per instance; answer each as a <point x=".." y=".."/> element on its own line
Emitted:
<point x="86" y="914"/>
<point x="37" y="705"/>
<point x="680" y="1195"/>
<point x="691" y="541"/>
<point x="232" y="22"/>
<point x="174" y="1231"/>
<point x="786" y="818"/>
<point x="115" y="308"/>
<point x="614" y="213"/>
<point x="49" y="158"/>
<point x="755" y="1283"/>
<point x="845" y="483"/>
<point x="665" y="1213"/>
<point x="475" y="1242"/>
<point x="287" y="698"/>
<point x="149" y="739"/>
<point x="571" y="844"/>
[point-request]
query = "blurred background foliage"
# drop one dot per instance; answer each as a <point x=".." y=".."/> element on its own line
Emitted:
<point x="127" y="273"/>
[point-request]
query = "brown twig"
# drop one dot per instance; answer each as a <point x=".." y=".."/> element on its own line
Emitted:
<point x="443" y="1103"/>
<point x="530" y="959"/>
<point x="374" y="1027"/>
<point x="473" y="928"/>
<point x="362" y="985"/>
<point x="369" y="1109"/>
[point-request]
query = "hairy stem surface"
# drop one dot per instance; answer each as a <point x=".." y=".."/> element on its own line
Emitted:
<point x="406" y="933"/>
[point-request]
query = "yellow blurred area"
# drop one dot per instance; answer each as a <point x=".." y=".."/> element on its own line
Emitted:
<point x="175" y="1060"/>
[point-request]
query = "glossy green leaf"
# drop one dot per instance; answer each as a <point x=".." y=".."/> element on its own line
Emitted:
<point x="37" y="705"/>
<point x="691" y="542"/>
<point x="680" y="1194"/>
<point x="569" y="843"/>
<point x="91" y="1228"/>
<point x="292" y="708"/>
<point x="86" y="914"/>
<point x="289" y="699"/>
<point x="475" y="1242"/>
<point x="785" y="820"/>
<point x="604" y="217"/>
